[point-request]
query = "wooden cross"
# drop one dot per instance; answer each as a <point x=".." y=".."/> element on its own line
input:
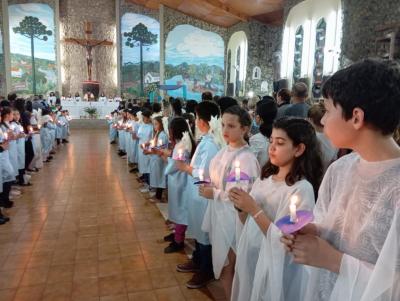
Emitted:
<point x="89" y="44"/>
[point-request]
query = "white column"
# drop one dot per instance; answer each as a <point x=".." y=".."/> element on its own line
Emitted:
<point x="6" y="46"/>
<point x="58" y="44"/>
<point x="162" y="45"/>
<point x="118" y="46"/>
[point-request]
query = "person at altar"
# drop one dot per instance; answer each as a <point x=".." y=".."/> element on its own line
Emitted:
<point x="102" y="97"/>
<point x="77" y="97"/>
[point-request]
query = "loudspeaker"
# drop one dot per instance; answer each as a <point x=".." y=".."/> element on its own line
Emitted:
<point x="230" y="89"/>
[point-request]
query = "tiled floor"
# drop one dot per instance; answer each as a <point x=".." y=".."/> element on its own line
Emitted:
<point x="84" y="232"/>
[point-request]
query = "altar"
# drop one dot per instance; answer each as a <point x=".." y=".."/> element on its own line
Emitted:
<point x="77" y="108"/>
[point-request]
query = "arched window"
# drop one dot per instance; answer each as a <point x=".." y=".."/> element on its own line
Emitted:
<point x="298" y="53"/>
<point x="237" y="66"/>
<point x="320" y="39"/>
<point x="229" y="63"/>
<point x="311" y="40"/>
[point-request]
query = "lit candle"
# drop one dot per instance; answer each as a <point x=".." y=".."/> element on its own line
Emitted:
<point x="152" y="143"/>
<point x="180" y="154"/>
<point x="160" y="142"/>
<point x="5" y="136"/>
<point x="237" y="171"/>
<point x="201" y="175"/>
<point x="293" y="208"/>
<point x="39" y="126"/>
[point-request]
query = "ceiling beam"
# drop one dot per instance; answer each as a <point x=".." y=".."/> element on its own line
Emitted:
<point x="225" y="8"/>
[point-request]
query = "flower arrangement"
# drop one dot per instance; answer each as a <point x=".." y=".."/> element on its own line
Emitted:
<point x="91" y="111"/>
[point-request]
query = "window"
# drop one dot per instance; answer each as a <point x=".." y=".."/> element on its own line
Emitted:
<point x="320" y="39"/>
<point x="298" y="53"/>
<point x="237" y="66"/>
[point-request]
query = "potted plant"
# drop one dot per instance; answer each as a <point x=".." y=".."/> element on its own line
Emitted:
<point x="91" y="111"/>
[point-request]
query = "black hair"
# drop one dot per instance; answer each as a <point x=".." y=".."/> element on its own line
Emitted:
<point x="309" y="165"/>
<point x="176" y="106"/>
<point x="207" y="95"/>
<point x="371" y="85"/>
<point x="5" y="111"/>
<point x="146" y="113"/>
<point x="156" y="107"/>
<point x="267" y="111"/>
<point x="191" y="106"/>
<point x="12" y="96"/>
<point x="226" y="102"/>
<point x="19" y="104"/>
<point x="177" y="127"/>
<point x="243" y="115"/>
<point x="207" y="109"/>
<point x="29" y="106"/>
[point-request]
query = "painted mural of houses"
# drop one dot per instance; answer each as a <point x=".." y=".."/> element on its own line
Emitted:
<point x="151" y="77"/>
<point x="16" y="72"/>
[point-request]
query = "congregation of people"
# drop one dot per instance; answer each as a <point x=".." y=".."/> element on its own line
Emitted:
<point x="31" y="132"/>
<point x="230" y="169"/>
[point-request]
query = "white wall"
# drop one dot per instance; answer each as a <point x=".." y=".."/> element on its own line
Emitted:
<point x="308" y="14"/>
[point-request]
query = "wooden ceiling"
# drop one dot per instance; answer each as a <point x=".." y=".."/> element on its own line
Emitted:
<point x="224" y="13"/>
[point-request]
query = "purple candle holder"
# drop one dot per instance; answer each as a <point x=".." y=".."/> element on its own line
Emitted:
<point x="232" y="177"/>
<point x="304" y="217"/>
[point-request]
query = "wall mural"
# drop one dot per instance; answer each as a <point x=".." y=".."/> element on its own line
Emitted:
<point x="140" y="53"/>
<point x="32" y="48"/>
<point x="194" y="58"/>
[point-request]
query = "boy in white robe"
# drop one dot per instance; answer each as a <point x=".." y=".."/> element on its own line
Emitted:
<point x="353" y="246"/>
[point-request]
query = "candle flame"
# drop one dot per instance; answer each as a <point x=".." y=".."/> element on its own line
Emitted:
<point x="294" y="200"/>
<point x="237" y="163"/>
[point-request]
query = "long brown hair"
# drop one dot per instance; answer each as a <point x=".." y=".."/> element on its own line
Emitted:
<point x="307" y="166"/>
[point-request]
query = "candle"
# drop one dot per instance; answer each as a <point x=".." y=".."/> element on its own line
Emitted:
<point x="180" y="154"/>
<point x="152" y="143"/>
<point x="237" y="171"/>
<point x="293" y="208"/>
<point x="160" y="142"/>
<point x="5" y="136"/>
<point x="39" y="126"/>
<point x="201" y="175"/>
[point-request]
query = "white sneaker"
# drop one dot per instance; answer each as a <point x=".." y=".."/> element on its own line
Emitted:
<point x="144" y="189"/>
<point x="152" y="194"/>
<point x="15" y="193"/>
<point x="27" y="178"/>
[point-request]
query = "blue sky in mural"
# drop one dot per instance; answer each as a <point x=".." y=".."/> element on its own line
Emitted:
<point x="151" y="53"/>
<point x="186" y="43"/>
<point x="22" y="45"/>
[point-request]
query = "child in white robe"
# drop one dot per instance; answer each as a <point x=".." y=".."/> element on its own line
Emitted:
<point x="157" y="164"/>
<point x="221" y="220"/>
<point x="183" y="149"/>
<point x="265" y="116"/>
<point x="353" y="247"/>
<point x="207" y="113"/>
<point x="261" y="259"/>
<point x="144" y="135"/>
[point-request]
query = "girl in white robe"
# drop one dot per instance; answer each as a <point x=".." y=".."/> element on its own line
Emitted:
<point x="265" y="116"/>
<point x="157" y="164"/>
<point x="221" y="220"/>
<point x="144" y="134"/>
<point x="184" y="146"/>
<point x="7" y="174"/>
<point x="20" y="136"/>
<point x="37" y="161"/>
<point x="261" y="263"/>
<point x="353" y="249"/>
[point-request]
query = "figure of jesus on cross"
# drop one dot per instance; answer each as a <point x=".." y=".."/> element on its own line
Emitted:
<point x="89" y="44"/>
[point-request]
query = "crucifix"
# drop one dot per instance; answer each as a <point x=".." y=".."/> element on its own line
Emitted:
<point x="89" y="44"/>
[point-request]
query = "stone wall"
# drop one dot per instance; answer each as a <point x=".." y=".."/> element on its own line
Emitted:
<point x="263" y="41"/>
<point x="360" y="20"/>
<point x="73" y="14"/>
